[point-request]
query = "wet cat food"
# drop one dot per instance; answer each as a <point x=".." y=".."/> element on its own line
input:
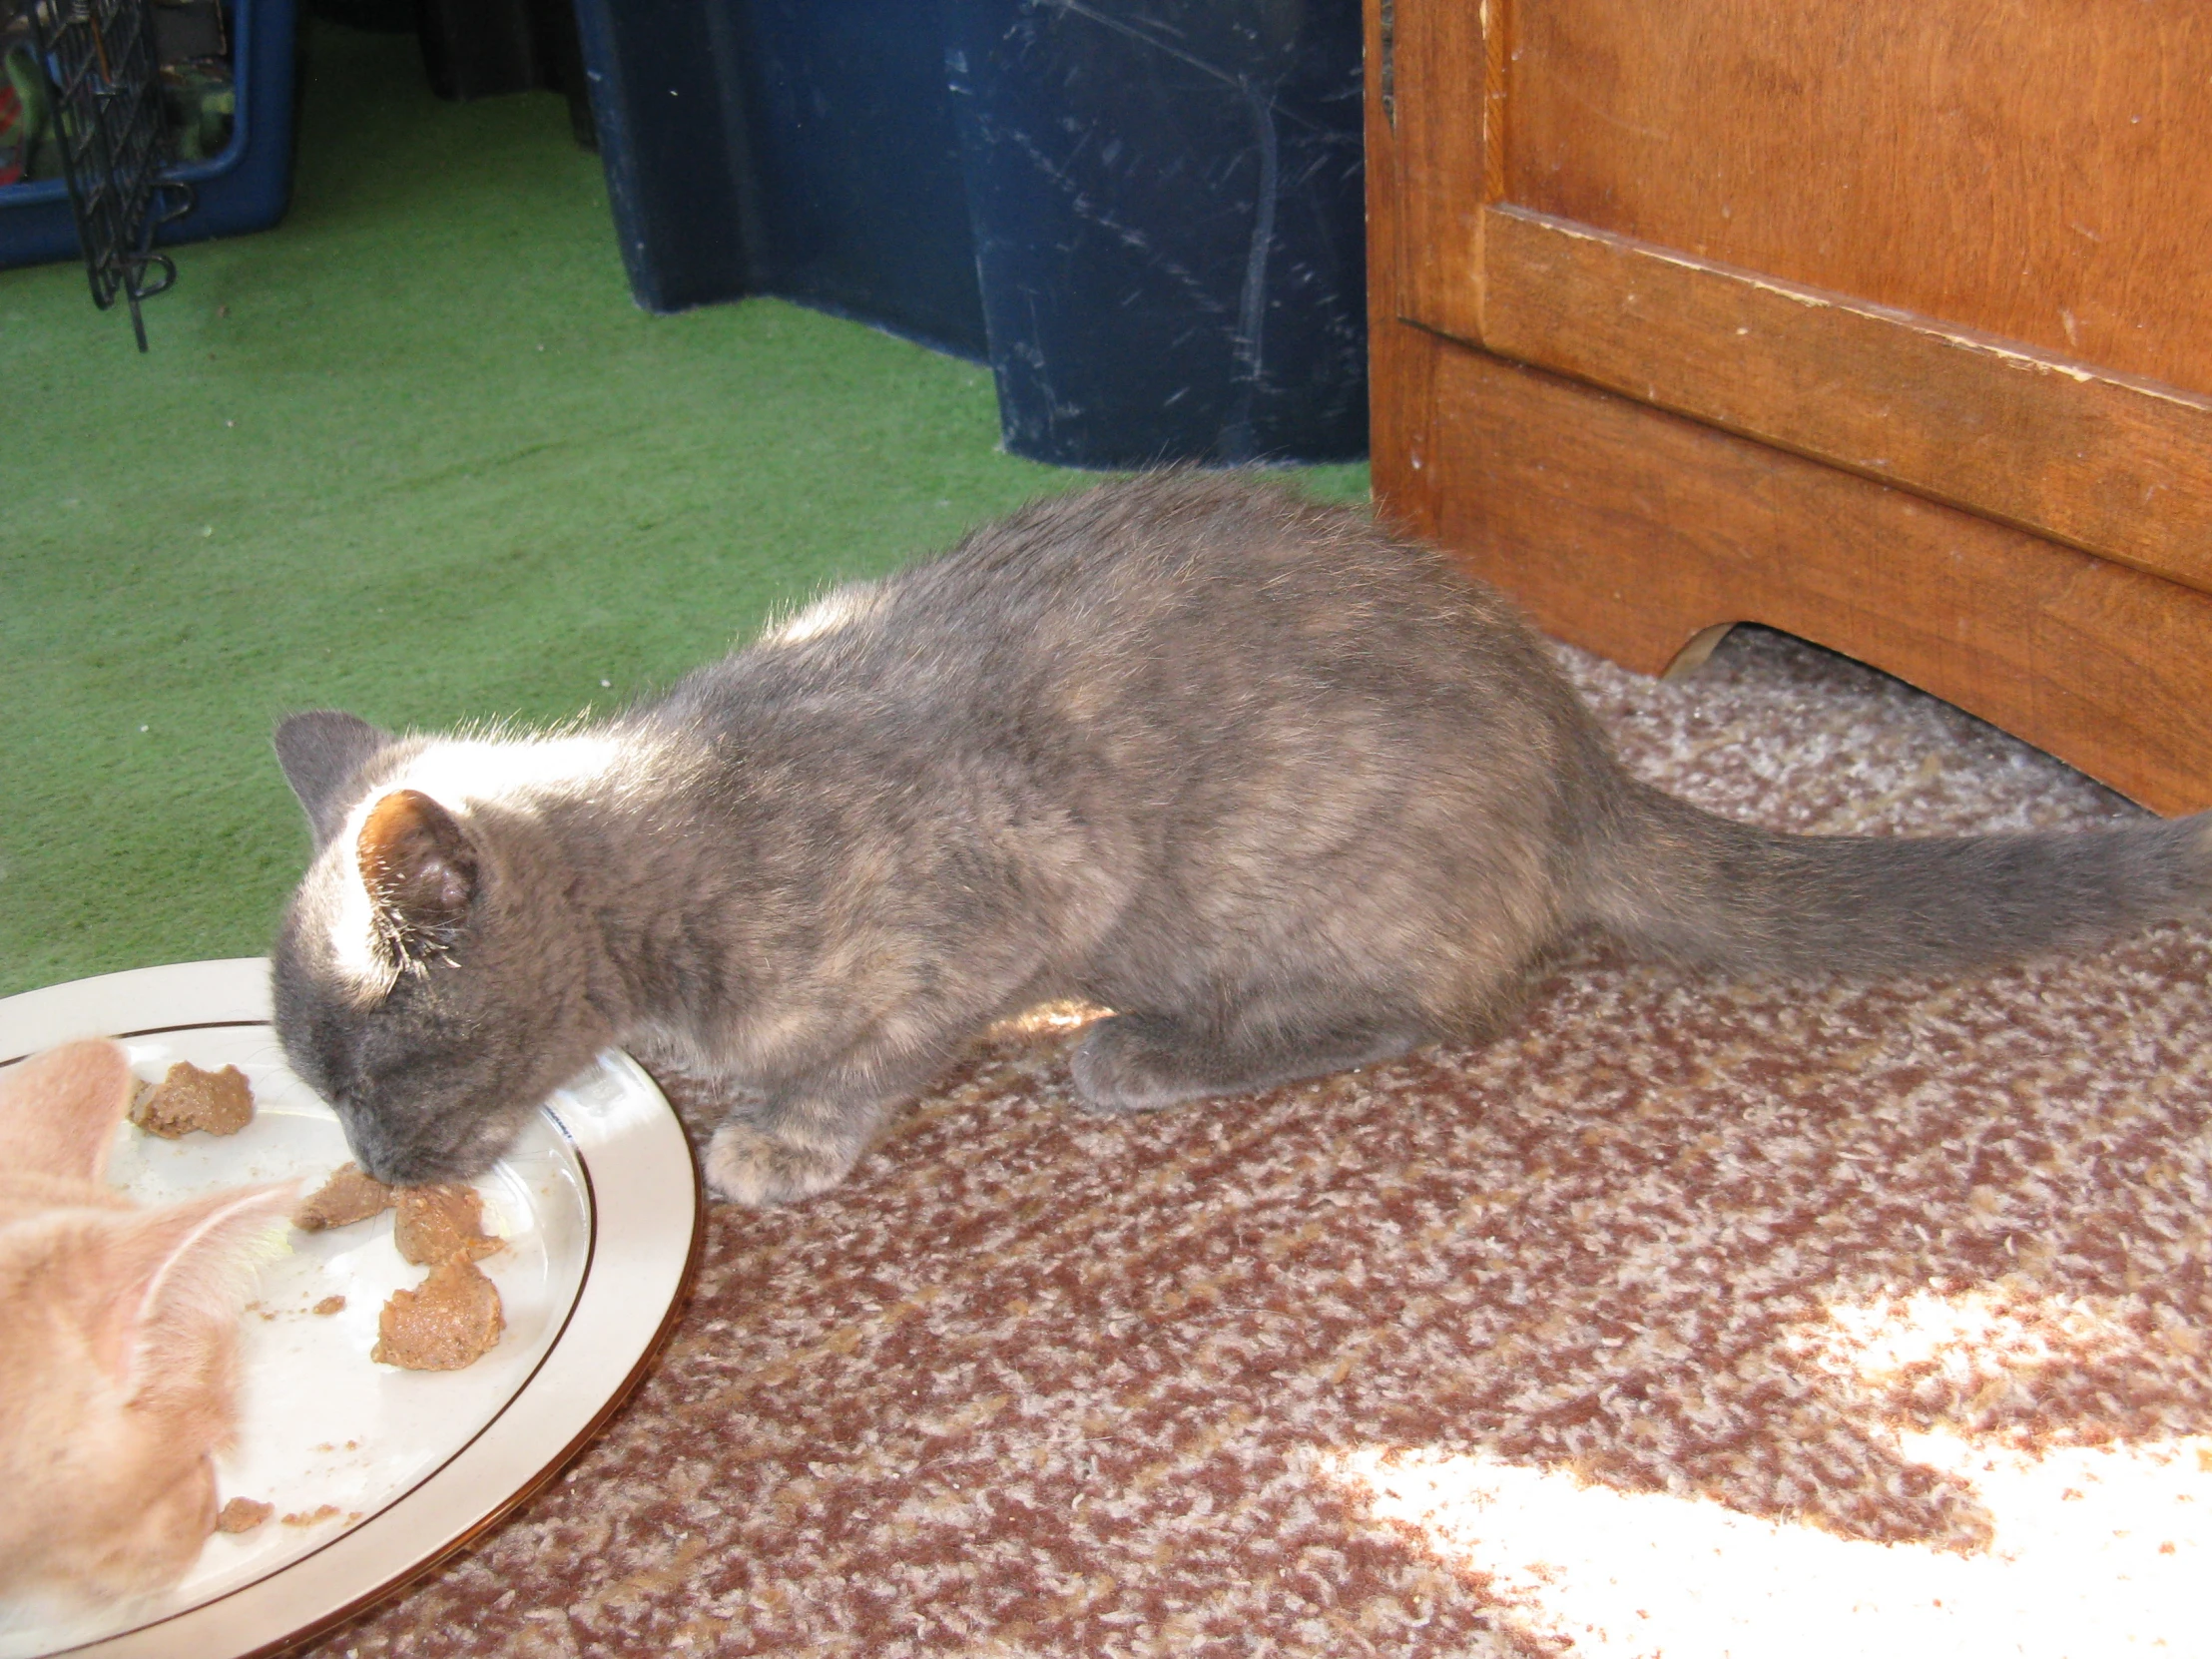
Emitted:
<point x="347" y="1197"/>
<point x="452" y="1317"/>
<point x="447" y="1322"/>
<point x="433" y="1222"/>
<point x="242" y="1514"/>
<point x="219" y="1102"/>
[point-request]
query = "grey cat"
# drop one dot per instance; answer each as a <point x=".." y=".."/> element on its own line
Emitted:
<point x="1289" y="794"/>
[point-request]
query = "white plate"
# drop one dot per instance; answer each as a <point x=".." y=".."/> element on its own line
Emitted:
<point x="599" y="1204"/>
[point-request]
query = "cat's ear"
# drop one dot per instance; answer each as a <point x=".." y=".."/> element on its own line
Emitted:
<point x="59" y="1109"/>
<point x="422" y="872"/>
<point x="173" y="1282"/>
<point x="321" y="751"/>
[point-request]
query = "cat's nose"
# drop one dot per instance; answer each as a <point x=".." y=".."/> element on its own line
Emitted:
<point x="375" y="1163"/>
<point x="382" y="1157"/>
<point x="396" y="1166"/>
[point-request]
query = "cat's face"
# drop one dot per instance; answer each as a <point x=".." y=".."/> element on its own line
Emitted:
<point x="432" y="1074"/>
<point x="108" y="1493"/>
<point x="429" y="981"/>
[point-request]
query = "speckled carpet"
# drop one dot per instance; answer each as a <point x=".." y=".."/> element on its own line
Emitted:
<point x="1695" y="1319"/>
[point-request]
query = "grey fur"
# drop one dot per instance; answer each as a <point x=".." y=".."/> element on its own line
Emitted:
<point x="321" y="751"/>
<point x="1288" y="792"/>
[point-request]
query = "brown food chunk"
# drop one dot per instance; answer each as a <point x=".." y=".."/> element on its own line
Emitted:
<point x="434" y="1222"/>
<point x="448" y="1322"/>
<point x="242" y="1514"/>
<point x="221" y="1102"/>
<point x="331" y="1304"/>
<point x="347" y="1197"/>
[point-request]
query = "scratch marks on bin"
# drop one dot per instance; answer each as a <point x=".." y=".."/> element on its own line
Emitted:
<point x="1087" y="208"/>
<point x="1253" y="312"/>
<point x="1075" y="8"/>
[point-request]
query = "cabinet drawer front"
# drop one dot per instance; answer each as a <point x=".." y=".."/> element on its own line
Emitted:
<point x="1766" y="116"/>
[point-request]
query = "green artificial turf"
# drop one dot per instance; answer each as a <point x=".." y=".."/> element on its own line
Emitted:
<point x="414" y="453"/>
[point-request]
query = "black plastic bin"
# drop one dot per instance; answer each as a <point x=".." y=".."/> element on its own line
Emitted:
<point x="1149" y="219"/>
<point x="786" y="147"/>
<point x="1168" y="225"/>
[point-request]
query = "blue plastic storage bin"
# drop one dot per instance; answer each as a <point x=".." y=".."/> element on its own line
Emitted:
<point x="246" y="187"/>
<point x="786" y="147"/>
<point x="1170" y="211"/>
<point x="1149" y="217"/>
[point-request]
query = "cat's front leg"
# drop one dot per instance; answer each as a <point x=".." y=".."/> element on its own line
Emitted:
<point x="763" y="1166"/>
<point x="803" y="1136"/>
<point x="799" y="1131"/>
<point x="757" y="1153"/>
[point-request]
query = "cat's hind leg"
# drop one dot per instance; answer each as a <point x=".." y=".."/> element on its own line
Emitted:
<point x="1139" y="1062"/>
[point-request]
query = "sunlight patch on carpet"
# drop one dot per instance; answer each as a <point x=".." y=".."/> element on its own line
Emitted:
<point x="1995" y="1342"/>
<point x="2097" y="1551"/>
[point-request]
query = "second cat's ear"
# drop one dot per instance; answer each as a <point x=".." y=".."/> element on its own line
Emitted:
<point x="59" y="1109"/>
<point x="321" y="751"/>
<point x="422" y="872"/>
<point x="174" y="1280"/>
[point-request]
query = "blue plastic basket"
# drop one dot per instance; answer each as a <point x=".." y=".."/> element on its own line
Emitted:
<point x="245" y="188"/>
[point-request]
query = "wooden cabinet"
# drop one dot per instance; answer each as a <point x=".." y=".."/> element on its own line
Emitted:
<point x="1886" y="323"/>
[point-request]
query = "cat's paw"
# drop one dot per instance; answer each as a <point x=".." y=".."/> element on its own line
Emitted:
<point x="1132" y="1063"/>
<point x="757" y="1169"/>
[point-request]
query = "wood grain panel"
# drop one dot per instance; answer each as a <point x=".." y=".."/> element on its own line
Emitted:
<point x="1630" y="531"/>
<point x="1437" y="152"/>
<point x="2112" y="466"/>
<point x="2036" y="170"/>
<point x="1398" y="418"/>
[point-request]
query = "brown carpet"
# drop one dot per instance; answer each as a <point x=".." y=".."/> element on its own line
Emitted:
<point x="1697" y="1318"/>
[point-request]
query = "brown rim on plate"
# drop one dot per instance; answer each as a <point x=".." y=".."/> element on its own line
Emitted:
<point x="561" y="1459"/>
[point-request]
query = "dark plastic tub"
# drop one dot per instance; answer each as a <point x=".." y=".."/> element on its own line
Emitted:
<point x="1170" y="229"/>
<point x="786" y="147"/>
<point x="858" y="203"/>
<point x="1150" y="219"/>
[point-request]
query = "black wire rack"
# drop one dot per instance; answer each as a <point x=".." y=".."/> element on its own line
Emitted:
<point x="105" y="81"/>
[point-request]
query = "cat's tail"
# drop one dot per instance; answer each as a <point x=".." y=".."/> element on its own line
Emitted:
<point x="1689" y="886"/>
